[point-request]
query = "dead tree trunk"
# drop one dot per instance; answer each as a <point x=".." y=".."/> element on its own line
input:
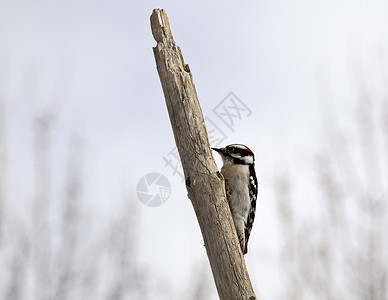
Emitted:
<point x="205" y="185"/>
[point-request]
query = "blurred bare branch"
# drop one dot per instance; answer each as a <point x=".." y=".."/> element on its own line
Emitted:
<point x="341" y="254"/>
<point x="42" y="241"/>
<point x="51" y="251"/>
<point x="3" y="165"/>
<point x="129" y="279"/>
<point x="70" y="223"/>
<point x="17" y="269"/>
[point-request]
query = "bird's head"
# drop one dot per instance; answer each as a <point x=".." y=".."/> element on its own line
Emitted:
<point x="236" y="154"/>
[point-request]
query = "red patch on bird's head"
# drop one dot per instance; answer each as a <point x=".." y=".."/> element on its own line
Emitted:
<point x="248" y="149"/>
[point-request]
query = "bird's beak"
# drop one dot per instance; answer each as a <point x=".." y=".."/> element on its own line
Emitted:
<point x="219" y="150"/>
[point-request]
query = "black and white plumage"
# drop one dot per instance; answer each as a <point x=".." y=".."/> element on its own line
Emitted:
<point x="241" y="186"/>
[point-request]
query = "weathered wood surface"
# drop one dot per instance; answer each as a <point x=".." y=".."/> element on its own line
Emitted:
<point x="205" y="185"/>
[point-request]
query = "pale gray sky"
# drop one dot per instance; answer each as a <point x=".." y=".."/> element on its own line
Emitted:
<point x="91" y="63"/>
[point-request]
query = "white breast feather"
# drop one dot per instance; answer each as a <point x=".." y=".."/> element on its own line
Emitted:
<point x="238" y="183"/>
